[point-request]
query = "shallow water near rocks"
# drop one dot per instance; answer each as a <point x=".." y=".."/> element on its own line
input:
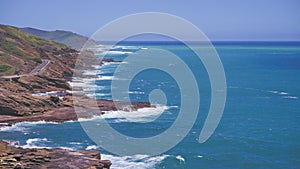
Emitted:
<point x="259" y="128"/>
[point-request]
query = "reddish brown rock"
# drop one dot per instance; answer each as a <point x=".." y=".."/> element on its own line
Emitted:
<point x="13" y="157"/>
<point x="65" y="113"/>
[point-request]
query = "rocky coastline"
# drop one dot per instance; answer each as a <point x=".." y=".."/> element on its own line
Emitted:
<point x="34" y="87"/>
<point x="12" y="157"/>
<point x="68" y="113"/>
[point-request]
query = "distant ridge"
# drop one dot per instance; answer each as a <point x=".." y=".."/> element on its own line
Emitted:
<point x="68" y="38"/>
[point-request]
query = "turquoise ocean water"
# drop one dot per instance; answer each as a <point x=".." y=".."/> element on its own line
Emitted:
<point x="259" y="128"/>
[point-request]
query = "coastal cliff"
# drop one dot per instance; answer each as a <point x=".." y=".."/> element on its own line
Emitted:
<point x="34" y="75"/>
<point x="20" y="54"/>
<point x="27" y="75"/>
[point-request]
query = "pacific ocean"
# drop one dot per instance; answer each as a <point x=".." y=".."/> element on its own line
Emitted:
<point x="260" y="124"/>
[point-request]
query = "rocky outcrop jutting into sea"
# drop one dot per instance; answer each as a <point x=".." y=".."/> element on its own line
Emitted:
<point x="20" y="158"/>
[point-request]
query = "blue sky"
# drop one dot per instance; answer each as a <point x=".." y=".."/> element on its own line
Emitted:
<point x="219" y="20"/>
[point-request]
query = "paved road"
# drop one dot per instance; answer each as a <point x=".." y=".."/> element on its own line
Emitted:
<point x="36" y="70"/>
<point x="40" y="67"/>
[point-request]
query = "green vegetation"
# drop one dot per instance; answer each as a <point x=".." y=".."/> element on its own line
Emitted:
<point x="10" y="47"/>
<point x="19" y="50"/>
<point x="36" y="59"/>
<point x="68" y="38"/>
<point x="6" y="45"/>
<point x="4" y="68"/>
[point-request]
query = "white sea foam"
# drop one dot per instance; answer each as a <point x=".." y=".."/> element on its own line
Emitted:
<point x="91" y="72"/>
<point x="89" y="119"/>
<point x="111" y="63"/>
<point x="14" y="127"/>
<point x="35" y="143"/>
<point x="278" y="92"/>
<point x="40" y="143"/>
<point x="23" y="126"/>
<point x="97" y="94"/>
<point x="86" y="86"/>
<point x="96" y="66"/>
<point x="104" y="64"/>
<point x="75" y="143"/>
<point x="76" y="84"/>
<point x="180" y="158"/>
<point x="136" y="161"/>
<point x="91" y="147"/>
<point x="116" y="52"/>
<point x="283" y="94"/>
<point x="126" y="47"/>
<point x="290" y="97"/>
<point x="105" y="77"/>
<point x="129" y="47"/>
<point x="272" y="91"/>
<point x="46" y="93"/>
<point x="136" y="92"/>
<point x="34" y="140"/>
<point x="119" y="162"/>
<point x="92" y="80"/>
<point x="87" y="81"/>
<point x="141" y="115"/>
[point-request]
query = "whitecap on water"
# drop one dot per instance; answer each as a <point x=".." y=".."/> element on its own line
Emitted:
<point x="136" y="161"/>
<point x="278" y="92"/>
<point x="91" y="147"/>
<point x="75" y="143"/>
<point x="290" y="97"/>
<point x="136" y="92"/>
<point x="180" y="158"/>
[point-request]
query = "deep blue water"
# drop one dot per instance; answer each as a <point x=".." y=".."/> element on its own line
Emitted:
<point x="259" y="128"/>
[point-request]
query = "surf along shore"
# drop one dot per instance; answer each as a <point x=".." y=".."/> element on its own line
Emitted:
<point x="44" y="95"/>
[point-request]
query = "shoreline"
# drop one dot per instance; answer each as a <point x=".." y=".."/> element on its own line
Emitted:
<point x="63" y="114"/>
<point x="13" y="157"/>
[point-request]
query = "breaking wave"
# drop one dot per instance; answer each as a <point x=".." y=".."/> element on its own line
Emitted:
<point x="136" y="161"/>
<point x="23" y="126"/>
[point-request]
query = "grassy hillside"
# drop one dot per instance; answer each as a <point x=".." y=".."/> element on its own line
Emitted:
<point x="20" y="51"/>
<point x="65" y="37"/>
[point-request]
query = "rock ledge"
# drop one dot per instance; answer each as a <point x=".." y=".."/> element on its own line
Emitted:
<point x="31" y="158"/>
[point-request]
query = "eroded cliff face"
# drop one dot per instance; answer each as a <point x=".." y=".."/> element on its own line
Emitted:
<point x="19" y="158"/>
<point x="37" y="66"/>
<point x="20" y="54"/>
<point x="28" y="66"/>
<point x="17" y="94"/>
